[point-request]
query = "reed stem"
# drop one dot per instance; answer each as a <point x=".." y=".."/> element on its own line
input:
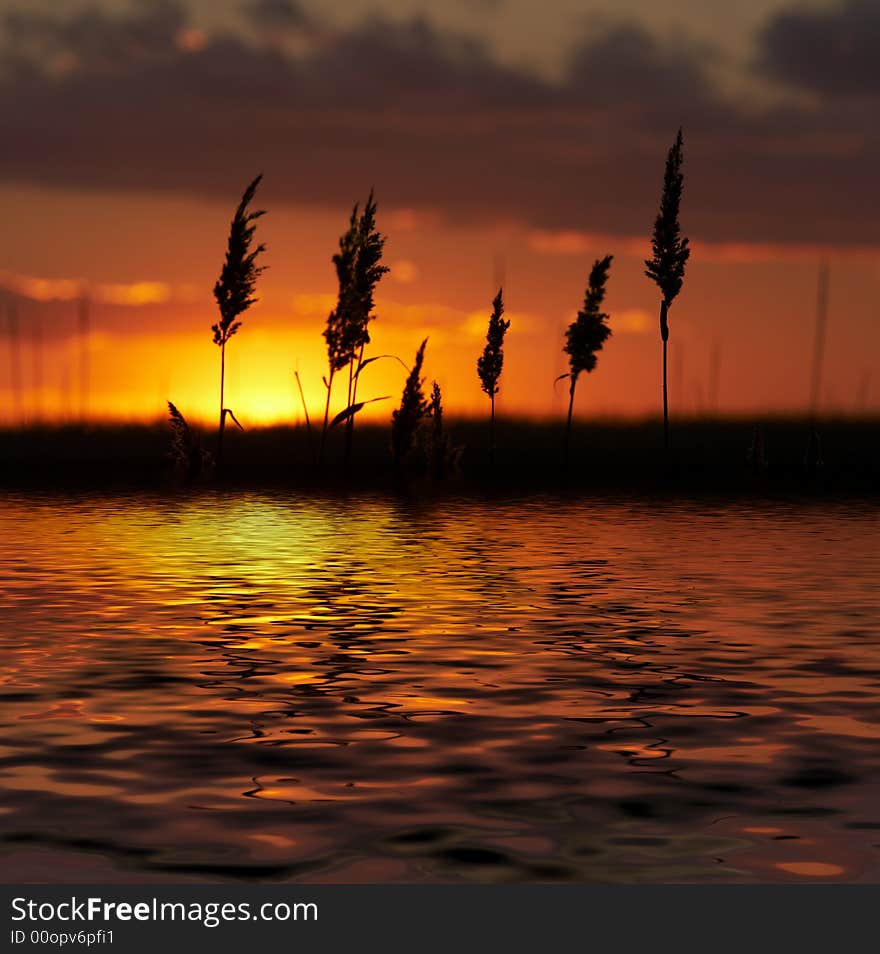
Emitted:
<point x="222" y="425"/>
<point x="302" y="398"/>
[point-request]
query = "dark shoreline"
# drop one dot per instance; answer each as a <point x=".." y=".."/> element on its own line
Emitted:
<point x="709" y="457"/>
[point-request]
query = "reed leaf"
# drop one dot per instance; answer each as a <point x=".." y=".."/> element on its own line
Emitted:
<point x="305" y="408"/>
<point x="353" y="409"/>
<point x="378" y="357"/>
<point x="228" y="412"/>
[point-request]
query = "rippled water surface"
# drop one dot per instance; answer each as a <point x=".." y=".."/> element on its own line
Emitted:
<point x="258" y="687"/>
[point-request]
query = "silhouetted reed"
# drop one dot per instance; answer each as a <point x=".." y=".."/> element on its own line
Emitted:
<point x="436" y="447"/>
<point x="670" y="252"/>
<point x="189" y="459"/>
<point x="586" y="336"/>
<point x="234" y="289"/>
<point x="305" y="408"/>
<point x="441" y="456"/>
<point x="358" y="271"/>
<point x="491" y="362"/>
<point x="344" y="416"/>
<point x="406" y="420"/>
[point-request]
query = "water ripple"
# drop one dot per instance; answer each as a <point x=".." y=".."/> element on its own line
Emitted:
<point x="259" y="687"/>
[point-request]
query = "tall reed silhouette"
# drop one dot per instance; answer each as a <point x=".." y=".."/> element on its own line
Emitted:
<point x="670" y="252"/>
<point x="491" y="362"/>
<point x="437" y="443"/>
<point x="359" y="269"/>
<point x="234" y="289"/>
<point x="442" y="457"/>
<point x="406" y="420"/>
<point x="586" y="336"/>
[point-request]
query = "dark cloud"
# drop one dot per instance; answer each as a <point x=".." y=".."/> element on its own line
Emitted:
<point x="283" y="24"/>
<point x="432" y="121"/>
<point x="627" y="67"/>
<point x="90" y="38"/>
<point x="833" y="52"/>
<point x="283" y="14"/>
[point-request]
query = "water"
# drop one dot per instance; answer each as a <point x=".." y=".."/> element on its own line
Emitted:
<point x="254" y="687"/>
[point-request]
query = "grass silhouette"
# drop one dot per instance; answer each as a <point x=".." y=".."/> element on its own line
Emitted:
<point x="190" y="461"/>
<point x="670" y="253"/>
<point x="234" y="289"/>
<point x="359" y="269"/>
<point x="441" y="456"/>
<point x="585" y="337"/>
<point x="490" y="364"/>
<point x="406" y="420"/>
<point x="308" y="419"/>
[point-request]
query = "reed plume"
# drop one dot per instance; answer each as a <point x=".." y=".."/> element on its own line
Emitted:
<point x="436" y="410"/>
<point x="439" y="454"/>
<point x="406" y="420"/>
<point x="189" y="459"/>
<point x="491" y="361"/>
<point x="234" y="289"/>
<point x="670" y="252"/>
<point x="586" y="336"/>
<point x="359" y="269"/>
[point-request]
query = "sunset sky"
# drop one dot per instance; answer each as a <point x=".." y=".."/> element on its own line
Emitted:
<point x="505" y="139"/>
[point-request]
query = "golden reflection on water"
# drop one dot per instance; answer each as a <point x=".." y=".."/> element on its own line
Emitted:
<point x="251" y="686"/>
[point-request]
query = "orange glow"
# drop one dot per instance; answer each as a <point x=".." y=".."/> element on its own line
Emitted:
<point x="151" y="311"/>
<point x="575" y="242"/>
<point x="135" y="373"/>
<point x="70" y="289"/>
